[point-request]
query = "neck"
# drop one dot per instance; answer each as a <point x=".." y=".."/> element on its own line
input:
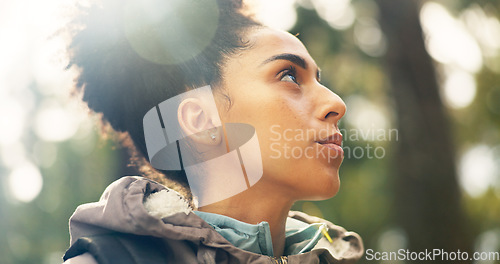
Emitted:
<point x="257" y="204"/>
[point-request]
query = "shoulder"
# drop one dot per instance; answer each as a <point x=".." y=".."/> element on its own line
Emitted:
<point x="82" y="259"/>
<point x="118" y="248"/>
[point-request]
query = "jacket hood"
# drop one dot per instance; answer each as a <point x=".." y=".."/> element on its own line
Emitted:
<point x="125" y="207"/>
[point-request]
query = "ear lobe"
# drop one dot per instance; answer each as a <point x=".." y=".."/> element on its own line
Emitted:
<point x="196" y="122"/>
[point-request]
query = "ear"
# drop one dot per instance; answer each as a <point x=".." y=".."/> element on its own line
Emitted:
<point x="196" y="121"/>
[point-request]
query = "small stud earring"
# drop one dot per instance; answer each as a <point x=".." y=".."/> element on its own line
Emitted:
<point x="212" y="136"/>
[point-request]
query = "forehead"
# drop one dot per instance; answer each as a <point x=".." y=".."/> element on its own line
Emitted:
<point x="266" y="42"/>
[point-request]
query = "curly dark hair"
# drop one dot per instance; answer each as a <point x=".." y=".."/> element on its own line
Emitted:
<point x="122" y="83"/>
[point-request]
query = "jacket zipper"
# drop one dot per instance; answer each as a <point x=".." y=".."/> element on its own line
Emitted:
<point x="280" y="260"/>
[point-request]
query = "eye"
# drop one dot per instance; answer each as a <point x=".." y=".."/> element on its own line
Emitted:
<point x="289" y="75"/>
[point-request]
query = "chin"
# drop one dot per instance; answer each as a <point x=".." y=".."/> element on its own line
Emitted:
<point x="332" y="191"/>
<point x="326" y="189"/>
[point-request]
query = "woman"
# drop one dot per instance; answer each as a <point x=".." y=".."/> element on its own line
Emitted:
<point x="231" y="111"/>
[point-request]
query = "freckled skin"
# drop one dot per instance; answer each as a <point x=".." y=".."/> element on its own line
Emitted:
<point x="276" y="96"/>
<point x="261" y="97"/>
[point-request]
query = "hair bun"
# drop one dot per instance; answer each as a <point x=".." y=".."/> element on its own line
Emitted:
<point x="170" y="32"/>
<point x="134" y="54"/>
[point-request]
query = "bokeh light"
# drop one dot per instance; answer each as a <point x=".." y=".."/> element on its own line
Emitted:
<point x="12" y="121"/>
<point x="488" y="241"/>
<point x="25" y="182"/>
<point x="478" y="170"/>
<point x="339" y="14"/>
<point x="369" y="37"/>
<point x="279" y="14"/>
<point x="53" y="123"/>
<point x="44" y="153"/>
<point x="366" y="116"/>
<point x="43" y="138"/>
<point x="486" y="30"/>
<point x="448" y="41"/>
<point x="13" y="155"/>
<point x="459" y="89"/>
<point x="391" y="241"/>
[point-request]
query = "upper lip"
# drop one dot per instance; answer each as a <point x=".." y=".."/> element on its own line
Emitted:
<point x="335" y="138"/>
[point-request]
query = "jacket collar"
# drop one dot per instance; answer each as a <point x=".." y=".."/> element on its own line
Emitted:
<point x="301" y="237"/>
<point x="121" y="208"/>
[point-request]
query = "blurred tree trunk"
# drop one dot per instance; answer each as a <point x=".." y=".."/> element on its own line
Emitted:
<point x="428" y="199"/>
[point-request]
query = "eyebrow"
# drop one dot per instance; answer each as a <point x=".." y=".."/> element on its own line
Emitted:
<point x="294" y="59"/>
<point x="289" y="57"/>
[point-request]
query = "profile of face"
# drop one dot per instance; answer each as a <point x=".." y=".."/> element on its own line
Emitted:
<point x="274" y="85"/>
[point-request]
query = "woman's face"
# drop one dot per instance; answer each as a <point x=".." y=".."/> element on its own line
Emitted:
<point x="274" y="86"/>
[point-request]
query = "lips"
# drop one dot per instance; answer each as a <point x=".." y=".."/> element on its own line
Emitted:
<point x="335" y="139"/>
<point x="333" y="143"/>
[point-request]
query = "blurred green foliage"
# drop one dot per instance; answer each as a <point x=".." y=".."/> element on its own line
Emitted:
<point x="37" y="232"/>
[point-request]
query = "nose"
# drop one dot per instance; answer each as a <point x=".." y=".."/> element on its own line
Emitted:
<point x="331" y="108"/>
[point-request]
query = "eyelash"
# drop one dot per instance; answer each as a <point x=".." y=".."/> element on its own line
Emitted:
<point x="290" y="71"/>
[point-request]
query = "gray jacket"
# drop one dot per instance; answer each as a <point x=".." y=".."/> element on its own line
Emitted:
<point x="122" y="208"/>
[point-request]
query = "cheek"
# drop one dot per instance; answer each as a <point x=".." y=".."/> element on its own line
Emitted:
<point x="299" y="165"/>
<point x="262" y="108"/>
<point x="276" y="119"/>
<point x="289" y="159"/>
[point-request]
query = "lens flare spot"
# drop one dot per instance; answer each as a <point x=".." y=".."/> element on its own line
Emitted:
<point x="173" y="32"/>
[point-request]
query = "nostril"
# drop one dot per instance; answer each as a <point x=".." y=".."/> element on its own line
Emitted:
<point x="331" y="113"/>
